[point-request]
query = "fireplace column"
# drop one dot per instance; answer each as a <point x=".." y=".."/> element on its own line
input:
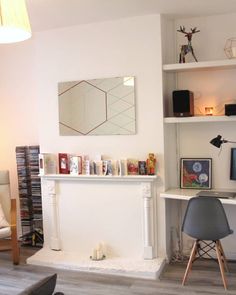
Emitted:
<point x="148" y="221"/>
<point x="55" y="243"/>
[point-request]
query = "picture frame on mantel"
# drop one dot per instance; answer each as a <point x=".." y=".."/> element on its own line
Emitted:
<point x="196" y="173"/>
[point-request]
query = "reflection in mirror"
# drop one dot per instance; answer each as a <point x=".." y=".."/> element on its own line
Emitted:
<point x="97" y="107"/>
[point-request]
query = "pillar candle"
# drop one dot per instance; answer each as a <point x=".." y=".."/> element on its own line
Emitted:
<point x="94" y="255"/>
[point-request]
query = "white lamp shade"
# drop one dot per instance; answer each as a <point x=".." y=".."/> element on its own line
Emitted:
<point x="14" y="21"/>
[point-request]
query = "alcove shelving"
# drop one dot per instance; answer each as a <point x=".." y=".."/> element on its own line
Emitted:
<point x="200" y="66"/>
<point x="181" y="135"/>
<point x="199" y="119"/>
<point x="203" y="65"/>
<point x="213" y="84"/>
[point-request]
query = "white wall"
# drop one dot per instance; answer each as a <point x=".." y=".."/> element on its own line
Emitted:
<point x="18" y="112"/>
<point x="109" y="49"/>
<point x="30" y="72"/>
<point x="209" y="43"/>
<point x="127" y="47"/>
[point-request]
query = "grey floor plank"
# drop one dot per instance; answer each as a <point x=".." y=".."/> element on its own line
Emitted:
<point x="204" y="279"/>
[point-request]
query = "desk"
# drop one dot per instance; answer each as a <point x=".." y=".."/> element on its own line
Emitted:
<point x="186" y="194"/>
<point x="174" y="210"/>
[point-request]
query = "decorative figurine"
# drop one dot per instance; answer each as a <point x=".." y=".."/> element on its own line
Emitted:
<point x="142" y="167"/>
<point x="185" y="49"/>
<point x="151" y="164"/>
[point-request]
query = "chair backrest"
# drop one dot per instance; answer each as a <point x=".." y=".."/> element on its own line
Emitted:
<point x="5" y="197"/>
<point x="205" y="219"/>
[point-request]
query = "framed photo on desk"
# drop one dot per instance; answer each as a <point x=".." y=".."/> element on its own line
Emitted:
<point x="195" y="173"/>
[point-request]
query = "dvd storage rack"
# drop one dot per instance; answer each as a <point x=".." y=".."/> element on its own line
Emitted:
<point x="30" y="195"/>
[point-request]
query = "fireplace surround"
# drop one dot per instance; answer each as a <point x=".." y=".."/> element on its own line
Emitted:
<point x="80" y="211"/>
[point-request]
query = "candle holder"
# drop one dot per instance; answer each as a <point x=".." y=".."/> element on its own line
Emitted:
<point x="208" y="111"/>
<point x="98" y="259"/>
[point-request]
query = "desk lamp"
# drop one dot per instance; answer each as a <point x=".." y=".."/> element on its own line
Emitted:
<point x="218" y="141"/>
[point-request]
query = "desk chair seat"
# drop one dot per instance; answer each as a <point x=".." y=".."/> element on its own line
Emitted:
<point x="206" y="221"/>
<point x="8" y="234"/>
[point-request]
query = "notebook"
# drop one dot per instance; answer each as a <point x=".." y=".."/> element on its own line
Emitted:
<point x="217" y="194"/>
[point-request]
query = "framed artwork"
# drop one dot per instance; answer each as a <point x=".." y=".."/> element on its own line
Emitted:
<point x="195" y="173"/>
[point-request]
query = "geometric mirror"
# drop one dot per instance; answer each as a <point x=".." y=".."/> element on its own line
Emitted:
<point x="97" y="107"/>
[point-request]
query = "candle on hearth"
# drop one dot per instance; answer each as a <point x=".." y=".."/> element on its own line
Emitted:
<point x="99" y="254"/>
<point x="94" y="255"/>
<point x="99" y="246"/>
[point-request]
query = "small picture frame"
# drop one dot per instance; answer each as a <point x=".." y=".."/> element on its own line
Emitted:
<point x="195" y="173"/>
<point x="63" y="163"/>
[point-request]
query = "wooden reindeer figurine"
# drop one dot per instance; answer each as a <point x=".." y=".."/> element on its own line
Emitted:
<point x="185" y="49"/>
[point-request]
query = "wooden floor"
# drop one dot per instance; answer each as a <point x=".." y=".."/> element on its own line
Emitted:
<point x="204" y="279"/>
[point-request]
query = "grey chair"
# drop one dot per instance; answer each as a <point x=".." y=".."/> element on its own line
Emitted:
<point x="205" y="220"/>
<point x="45" y="286"/>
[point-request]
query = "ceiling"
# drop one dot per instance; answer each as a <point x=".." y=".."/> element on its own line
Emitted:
<point x="51" y="14"/>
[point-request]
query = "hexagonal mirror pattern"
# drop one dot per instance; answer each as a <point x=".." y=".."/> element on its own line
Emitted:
<point x="97" y="107"/>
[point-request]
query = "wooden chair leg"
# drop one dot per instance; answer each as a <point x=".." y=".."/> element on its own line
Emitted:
<point x="223" y="257"/>
<point x="218" y="252"/>
<point x="15" y="251"/>
<point x="14" y="240"/>
<point x="190" y="262"/>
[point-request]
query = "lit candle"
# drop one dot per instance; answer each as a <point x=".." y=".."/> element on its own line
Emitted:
<point x="99" y="246"/>
<point x="208" y="111"/>
<point x="94" y="255"/>
<point x="99" y="249"/>
<point x="99" y="254"/>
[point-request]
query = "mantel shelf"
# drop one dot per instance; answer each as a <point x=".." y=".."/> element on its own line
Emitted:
<point x="194" y="66"/>
<point x="126" y="178"/>
<point x="199" y="119"/>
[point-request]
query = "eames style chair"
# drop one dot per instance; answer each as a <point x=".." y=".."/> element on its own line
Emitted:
<point x="8" y="228"/>
<point x="205" y="221"/>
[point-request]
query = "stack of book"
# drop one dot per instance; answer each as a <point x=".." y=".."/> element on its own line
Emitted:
<point x="30" y="195"/>
<point x="33" y="152"/>
<point x="24" y="192"/>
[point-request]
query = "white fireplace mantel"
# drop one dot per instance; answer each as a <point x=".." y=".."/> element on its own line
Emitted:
<point x="145" y="190"/>
<point x="126" y="178"/>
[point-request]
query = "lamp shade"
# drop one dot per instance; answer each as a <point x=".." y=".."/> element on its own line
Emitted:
<point x="217" y="141"/>
<point x="14" y="21"/>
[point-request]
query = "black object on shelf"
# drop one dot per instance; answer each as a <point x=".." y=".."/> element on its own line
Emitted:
<point x="183" y="103"/>
<point x="230" y="109"/>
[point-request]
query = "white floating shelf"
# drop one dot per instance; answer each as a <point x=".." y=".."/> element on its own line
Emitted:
<point x="200" y="119"/>
<point x="193" y="66"/>
<point x="126" y="178"/>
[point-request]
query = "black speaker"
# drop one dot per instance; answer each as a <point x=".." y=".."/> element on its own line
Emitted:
<point x="183" y="103"/>
<point x="230" y="109"/>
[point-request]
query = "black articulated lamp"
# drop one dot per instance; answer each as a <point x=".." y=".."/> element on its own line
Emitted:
<point x="218" y="141"/>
